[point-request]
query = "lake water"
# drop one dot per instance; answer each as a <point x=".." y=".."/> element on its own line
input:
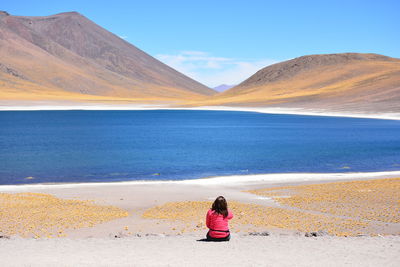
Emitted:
<point x="94" y="146"/>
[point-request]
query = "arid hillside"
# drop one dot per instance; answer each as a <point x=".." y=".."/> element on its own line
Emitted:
<point x="339" y="82"/>
<point x="67" y="56"/>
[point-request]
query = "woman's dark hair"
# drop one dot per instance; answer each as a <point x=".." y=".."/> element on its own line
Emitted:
<point x="220" y="206"/>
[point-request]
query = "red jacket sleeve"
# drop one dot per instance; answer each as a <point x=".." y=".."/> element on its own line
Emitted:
<point x="208" y="219"/>
<point x="230" y="215"/>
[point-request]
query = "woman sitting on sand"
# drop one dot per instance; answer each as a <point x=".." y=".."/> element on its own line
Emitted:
<point x="217" y="220"/>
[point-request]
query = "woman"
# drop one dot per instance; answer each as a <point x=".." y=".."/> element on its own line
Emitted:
<point x="217" y="220"/>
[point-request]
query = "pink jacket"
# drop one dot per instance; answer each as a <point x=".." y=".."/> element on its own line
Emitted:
<point x="215" y="221"/>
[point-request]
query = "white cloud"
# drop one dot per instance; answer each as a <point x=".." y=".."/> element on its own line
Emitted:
<point x="211" y="70"/>
<point x="123" y="36"/>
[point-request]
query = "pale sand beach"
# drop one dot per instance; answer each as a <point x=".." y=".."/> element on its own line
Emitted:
<point x="186" y="251"/>
<point x="164" y="220"/>
<point x="72" y="105"/>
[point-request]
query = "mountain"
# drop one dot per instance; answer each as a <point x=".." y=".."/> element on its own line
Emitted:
<point x="223" y="87"/>
<point x="67" y="56"/>
<point x="339" y="82"/>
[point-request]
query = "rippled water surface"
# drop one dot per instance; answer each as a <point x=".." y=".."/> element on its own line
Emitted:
<point x="83" y="146"/>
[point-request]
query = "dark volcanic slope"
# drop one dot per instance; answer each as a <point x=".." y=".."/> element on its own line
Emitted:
<point x="348" y="82"/>
<point x="69" y="53"/>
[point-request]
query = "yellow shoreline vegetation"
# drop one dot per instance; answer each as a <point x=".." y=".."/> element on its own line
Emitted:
<point x="341" y="209"/>
<point x="371" y="200"/>
<point x="257" y="216"/>
<point x="43" y="215"/>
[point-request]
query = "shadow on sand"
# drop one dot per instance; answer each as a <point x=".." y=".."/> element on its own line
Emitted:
<point x="208" y="240"/>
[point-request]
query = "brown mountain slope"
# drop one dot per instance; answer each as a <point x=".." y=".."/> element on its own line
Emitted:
<point x="340" y="82"/>
<point x="67" y="56"/>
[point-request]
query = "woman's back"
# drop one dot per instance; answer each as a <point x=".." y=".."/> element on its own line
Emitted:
<point x="218" y="224"/>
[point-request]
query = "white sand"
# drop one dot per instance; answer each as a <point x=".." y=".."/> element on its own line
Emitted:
<point x="232" y="181"/>
<point x="96" y="246"/>
<point x="186" y="251"/>
<point x="304" y="111"/>
<point x="70" y="105"/>
<point x="136" y="197"/>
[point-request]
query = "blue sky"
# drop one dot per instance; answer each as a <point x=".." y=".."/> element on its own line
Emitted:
<point x="222" y="41"/>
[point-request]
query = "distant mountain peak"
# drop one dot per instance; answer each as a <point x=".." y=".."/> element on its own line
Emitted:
<point x="223" y="87"/>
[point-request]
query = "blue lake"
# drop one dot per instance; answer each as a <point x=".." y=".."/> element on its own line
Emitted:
<point x="94" y="146"/>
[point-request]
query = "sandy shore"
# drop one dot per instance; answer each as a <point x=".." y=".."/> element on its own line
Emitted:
<point x="69" y="105"/>
<point x="138" y="241"/>
<point x="186" y="251"/>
